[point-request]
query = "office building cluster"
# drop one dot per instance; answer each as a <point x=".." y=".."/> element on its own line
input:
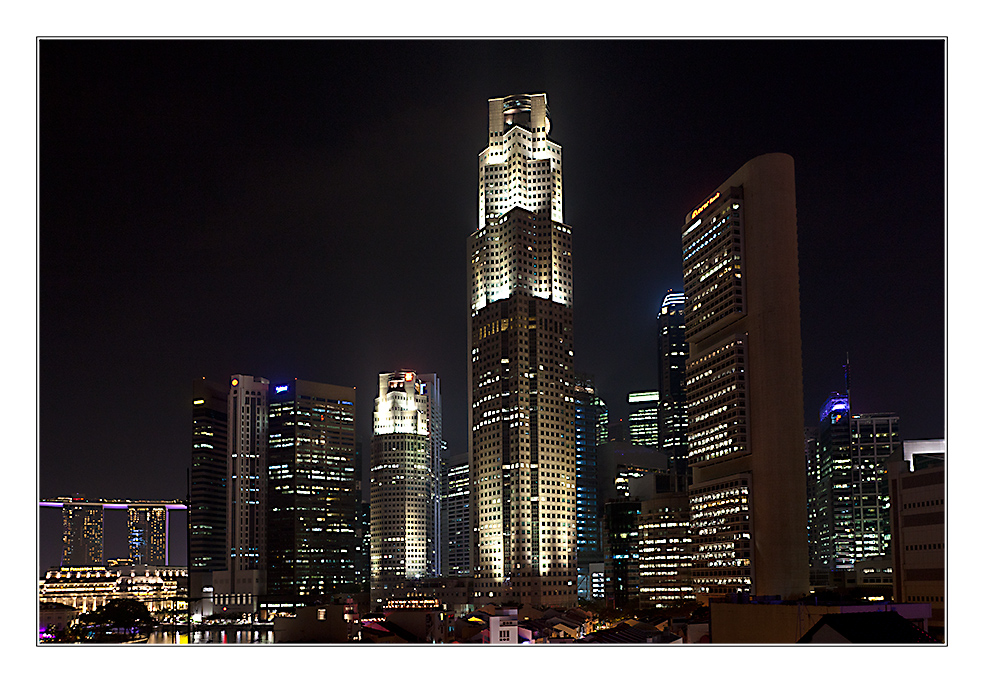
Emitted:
<point x="708" y="493"/>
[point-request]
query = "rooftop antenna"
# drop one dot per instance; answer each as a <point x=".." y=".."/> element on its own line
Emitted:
<point x="847" y="380"/>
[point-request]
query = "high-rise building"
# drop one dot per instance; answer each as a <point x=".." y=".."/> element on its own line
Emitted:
<point x="590" y="431"/>
<point x="456" y="526"/>
<point x="621" y="543"/>
<point x="521" y="352"/>
<point x="431" y="386"/>
<point x="665" y="547"/>
<point x="849" y="505"/>
<point x="207" y="483"/>
<point x="312" y="493"/>
<point x="671" y="350"/>
<point x="403" y="481"/>
<point x="830" y="505"/>
<point x="744" y="385"/>
<point x="239" y="587"/>
<point x="644" y="418"/>
<point x="147" y="534"/>
<point x="917" y="479"/>
<point x="82" y="534"/>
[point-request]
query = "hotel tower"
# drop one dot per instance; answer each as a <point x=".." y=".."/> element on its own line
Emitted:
<point x="744" y="385"/>
<point x="521" y="352"/>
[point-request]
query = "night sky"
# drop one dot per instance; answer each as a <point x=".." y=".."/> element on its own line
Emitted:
<point x="301" y="209"/>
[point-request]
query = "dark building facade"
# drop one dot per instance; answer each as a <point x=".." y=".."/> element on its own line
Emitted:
<point x="672" y="351"/>
<point x="312" y="493"/>
<point x="590" y="431"/>
<point x="456" y="525"/>
<point x="207" y="483"/>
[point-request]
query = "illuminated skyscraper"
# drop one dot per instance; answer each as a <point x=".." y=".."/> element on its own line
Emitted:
<point x="671" y="350"/>
<point x="590" y="431"/>
<point x="238" y="588"/>
<point x="82" y="534"/>
<point x="850" y="503"/>
<point x="745" y="385"/>
<point x="207" y="495"/>
<point x="403" y="480"/>
<point x="147" y="534"/>
<point x="456" y="513"/>
<point x="311" y="493"/>
<point x="521" y="352"/>
<point x="644" y="418"/>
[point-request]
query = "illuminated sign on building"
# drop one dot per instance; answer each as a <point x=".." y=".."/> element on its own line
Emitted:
<point x="282" y="388"/>
<point x="698" y="210"/>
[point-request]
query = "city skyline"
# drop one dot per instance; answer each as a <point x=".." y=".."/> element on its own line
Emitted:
<point x="308" y="177"/>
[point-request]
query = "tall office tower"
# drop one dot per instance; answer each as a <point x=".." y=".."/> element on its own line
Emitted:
<point x="147" y="534"/>
<point x="82" y="535"/>
<point x="810" y="453"/>
<point x="621" y="548"/>
<point x="431" y="386"/>
<point x="830" y="507"/>
<point x="671" y="350"/>
<point x="874" y="437"/>
<point x="456" y="528"/>
<point x="207" y="483"/>
<point x="590" y="431"/>
<point x="917" y="479"/>
<point x="744" y="384"/>
<point x="363" y="542"/>
<point x="850" y="504"/>
<point x="239" y="586"/>
<point x="402" y="482"/>
<point x="311" y="493"/>
<point x="520" y="389"/>
<point x="665" y="551"/>
<point x="644" y="418"/>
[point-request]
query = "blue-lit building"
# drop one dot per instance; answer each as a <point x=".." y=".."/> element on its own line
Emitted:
<point x="849" y="506"/>
<point x="590" y="430"/>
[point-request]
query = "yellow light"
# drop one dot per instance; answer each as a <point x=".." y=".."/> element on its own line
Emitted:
<point x="199" y="401"/>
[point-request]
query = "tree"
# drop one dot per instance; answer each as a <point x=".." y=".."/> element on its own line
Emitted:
<point x="118" y="618"/>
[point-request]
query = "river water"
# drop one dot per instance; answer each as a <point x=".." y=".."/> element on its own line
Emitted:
<point x="213" y="636"/>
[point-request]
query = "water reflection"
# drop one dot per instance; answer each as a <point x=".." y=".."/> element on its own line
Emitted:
<point x="212" y="636"/>
<point x="217" y="636"/>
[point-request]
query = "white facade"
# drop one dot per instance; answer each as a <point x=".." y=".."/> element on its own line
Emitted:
<point x="239" y="587"/>
<point x="403" y="482"/>
<point x="521" y="388"/>
<point x="520" y="169"/>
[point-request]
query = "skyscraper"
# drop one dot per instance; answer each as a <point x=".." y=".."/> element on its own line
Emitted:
<point x="431" y="386"/>
<point x="520" y="336"/>
<point x="239" y="587"/>
<point x="207" y="485"/>
<point x="311" y="493"/>
<point x="745" y="385"/>
<point x="456" y="526"/>
<point x="850" y="503"/>
<point x="403" y="481"/>
<point x="82" y="534"/>
<point x="644" y="418"/>
<point x="590" y="431"/>
<point x="147" y="534"/>
<point x="671" y="351"/>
